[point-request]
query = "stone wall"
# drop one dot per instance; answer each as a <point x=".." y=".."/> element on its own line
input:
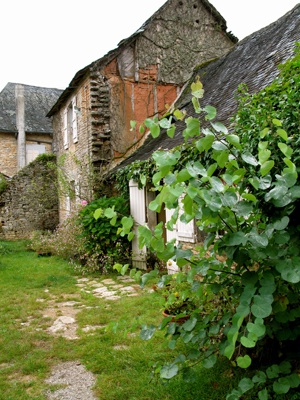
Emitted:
<point x="30" y="201"/>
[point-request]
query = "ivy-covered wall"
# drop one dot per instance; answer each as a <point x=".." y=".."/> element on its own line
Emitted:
<point x="30" y="201"/>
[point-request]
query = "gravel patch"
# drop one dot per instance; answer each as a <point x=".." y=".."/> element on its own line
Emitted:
<point x="77" y="382"/>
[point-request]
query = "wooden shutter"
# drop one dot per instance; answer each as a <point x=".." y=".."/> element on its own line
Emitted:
<point x="74" y="121"/>
<point x="138" y="212"/>
<point x="185" y="232"/>
<point x="171" y="234"/>
<point x="65" y="128"/>
<point x="181" y="232"/>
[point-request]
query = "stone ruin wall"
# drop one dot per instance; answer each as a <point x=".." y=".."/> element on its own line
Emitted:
<point x="29" y="203"/>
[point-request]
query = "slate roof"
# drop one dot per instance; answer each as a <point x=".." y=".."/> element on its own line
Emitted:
<point x="107" y="58"/>
<point x="253" y="61"/>
<point x="38" y="101"/>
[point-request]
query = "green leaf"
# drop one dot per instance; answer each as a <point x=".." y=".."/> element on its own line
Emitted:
<point x="147" y="332"/>
<point x="144" y="235"/>
<point x="183" y="175"/>
<point x="220" y="146"/>
<point x="249" y="196"/>
<point x="263" y="394"/>
<point x="190" y="324"/>
<point x="234" y="140"/>
<point x="132" y="125"/>
<point x="110" y="212"/>
<point x="282" y="386"/>
<point x="264" y="133"/>
<point x="222" y="158"/>
<point x="282" y="223"/>
<point x="169" y="371"/>
<point x="205" y="143"/>
<point x="196" y="105"/>
<point x="229" y="199"/>
<point x="197" y="89"/>
<point x="282" y="133"/>
<point x="165" y="123"/>
<point x="249" y="159"/>
<point x="289" y="269"/>
<point x="219" y="127"/>
<point x="217" y="184"/>
<point x="294" y="380"/>
<point x="286" y="150"/>
<point x="261" y="307"/>
<point x="178" y="114"/>
<point x="192" y="127"/>
<point x="276" y="122"/>
<point x="210" y="361"/>
<point x="260" y="377"/>
<point x="276" y="193"/>
<point x="196" y="169"/>
<point x="244" y="362"/>
<point x="98" y="213"/>
<point x="258" y="327"/>
<point x="266" y="167"/>
<point x="155" y="130"/>
<point x="246" y="384"/>
<point x="211" y="112"/>
<point x="235" y="238"/>
<point x="171" y="131"/>
<point x="263" y="156"/>
<point x="127" y="223"/>
<point x="246" y="342"/>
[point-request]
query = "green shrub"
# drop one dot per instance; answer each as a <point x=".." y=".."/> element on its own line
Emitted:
<point x="102" y="243"/>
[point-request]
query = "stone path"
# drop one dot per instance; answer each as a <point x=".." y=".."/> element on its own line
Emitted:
<point x="75" y="381"/>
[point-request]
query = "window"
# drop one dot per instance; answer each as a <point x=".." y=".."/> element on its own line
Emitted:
<point x="33" y="150"/>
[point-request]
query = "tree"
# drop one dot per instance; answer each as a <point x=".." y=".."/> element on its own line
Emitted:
<point x="248" y="279"/>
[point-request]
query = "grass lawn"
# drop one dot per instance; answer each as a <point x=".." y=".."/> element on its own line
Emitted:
<point x="114" y="353"/>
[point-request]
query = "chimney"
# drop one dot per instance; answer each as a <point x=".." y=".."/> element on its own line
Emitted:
<point x="20" y="121"/>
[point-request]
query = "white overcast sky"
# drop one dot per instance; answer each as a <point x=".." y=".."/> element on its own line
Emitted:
<point x="44" y="43"/>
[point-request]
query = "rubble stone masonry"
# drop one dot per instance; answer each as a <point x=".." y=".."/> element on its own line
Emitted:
<point x="30" y="202"/>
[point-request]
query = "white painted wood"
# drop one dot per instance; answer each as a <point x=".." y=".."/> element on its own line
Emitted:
<point x="138" y="212"/>
<point x="74" y="122"/>
<point x="65" y="128"/>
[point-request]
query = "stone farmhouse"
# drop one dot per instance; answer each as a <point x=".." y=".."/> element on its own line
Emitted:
<point x="91" y="119"/>
<point x="25" y="131"/>
<point x="253" y="61"/>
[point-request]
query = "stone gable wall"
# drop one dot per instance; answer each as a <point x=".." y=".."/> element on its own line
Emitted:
<point x="8" y="154"/>
<point x="30" y="202"/>
<point x="9" y="149"/>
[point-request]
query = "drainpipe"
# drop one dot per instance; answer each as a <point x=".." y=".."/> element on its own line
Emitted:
<point x="20" y="121"/>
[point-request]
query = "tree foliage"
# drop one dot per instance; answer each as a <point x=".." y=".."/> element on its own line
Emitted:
<point x="244" y="183"/>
